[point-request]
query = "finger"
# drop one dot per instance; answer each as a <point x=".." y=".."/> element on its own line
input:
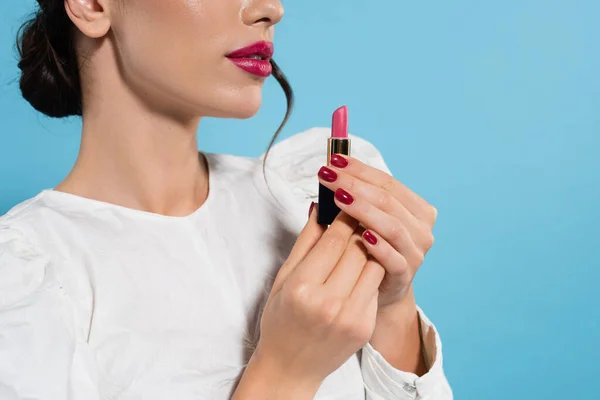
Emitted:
<point x="415" y="204"/>
<point x="322" y="258"/>
<point x="402" y="238"/>
<point x="378" y="197"/>
<point x="397" y="268"/>
<point x="306" y="240"/>
<point x="348" y="269"/>
<point x="366" y="287"/>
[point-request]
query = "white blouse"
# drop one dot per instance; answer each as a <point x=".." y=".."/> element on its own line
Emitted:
<point x="100" y="301"/>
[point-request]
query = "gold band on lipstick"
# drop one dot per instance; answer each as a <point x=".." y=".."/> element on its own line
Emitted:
<point x="336" y="145"/>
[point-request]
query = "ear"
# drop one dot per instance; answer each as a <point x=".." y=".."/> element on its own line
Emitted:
<point x="90" y="16"/>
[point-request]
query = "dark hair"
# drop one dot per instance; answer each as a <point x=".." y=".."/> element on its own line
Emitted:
<point x="50" y="79"/>
<point x="48" y="63"/>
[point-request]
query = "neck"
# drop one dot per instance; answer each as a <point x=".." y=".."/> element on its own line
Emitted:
<point x="135" y="156"/>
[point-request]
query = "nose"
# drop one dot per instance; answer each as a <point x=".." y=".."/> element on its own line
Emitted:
<point x="262" y="12"/>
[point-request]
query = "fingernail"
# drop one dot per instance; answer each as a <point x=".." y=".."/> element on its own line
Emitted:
<point x="344" y="196"/>
<point x="338" y="161"/>
<point x="312" y="205"/>
<point x="328" y="175"/>
<point x="369" y="237"/>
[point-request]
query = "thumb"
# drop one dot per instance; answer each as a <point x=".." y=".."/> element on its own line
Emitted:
<point x="308" y="237"/>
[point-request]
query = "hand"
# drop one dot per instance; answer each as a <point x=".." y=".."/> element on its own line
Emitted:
<point x="398" y="222"/>
<point x="322" y="307"/>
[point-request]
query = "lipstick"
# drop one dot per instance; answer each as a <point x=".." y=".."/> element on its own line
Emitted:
<point x="338" y="143"/>
<point x="254" y="58"/>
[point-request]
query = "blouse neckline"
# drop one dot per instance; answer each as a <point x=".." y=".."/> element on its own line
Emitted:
<point x="74" y="199"/>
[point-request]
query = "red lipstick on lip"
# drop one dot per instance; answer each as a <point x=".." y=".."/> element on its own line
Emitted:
<point x="338" y="143"/>
<point x="247" y="58"/>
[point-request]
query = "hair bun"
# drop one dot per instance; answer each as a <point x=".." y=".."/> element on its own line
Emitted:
<point x="49" y="74"/>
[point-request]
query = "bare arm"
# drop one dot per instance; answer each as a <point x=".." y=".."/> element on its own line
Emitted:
<point x="264" y="380"/>
<point x="397" y="337"/>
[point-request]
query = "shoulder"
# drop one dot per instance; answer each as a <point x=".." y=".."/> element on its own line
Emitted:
<point x="297" y="159"/>
<point x="38" y="340"/>
<point x="22" y="262"/>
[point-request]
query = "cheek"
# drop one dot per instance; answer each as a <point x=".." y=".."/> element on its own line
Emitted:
<point x="159" y="39"/>
<point x="175" y="49"/>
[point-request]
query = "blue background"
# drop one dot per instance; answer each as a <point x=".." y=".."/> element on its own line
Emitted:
<point x="489" y="110"/>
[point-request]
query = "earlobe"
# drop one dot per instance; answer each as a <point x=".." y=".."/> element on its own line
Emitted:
<point x="91" y="17"/>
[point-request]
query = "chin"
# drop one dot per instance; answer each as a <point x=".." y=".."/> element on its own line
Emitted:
<point x="242" y="107"/>
<point x="244" y="111"/>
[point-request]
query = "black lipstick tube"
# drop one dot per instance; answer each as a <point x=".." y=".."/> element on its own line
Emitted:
<point x="328" y="210"/>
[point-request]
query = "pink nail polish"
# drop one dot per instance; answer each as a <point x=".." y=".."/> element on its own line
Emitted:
<point x="327" y="174"/>
<point x="338" y="161"/>
<point x="312" y="205"/>
<point x="370" y="238"/>
<point x="344" y="197"/>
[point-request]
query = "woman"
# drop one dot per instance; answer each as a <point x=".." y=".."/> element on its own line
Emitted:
<point x="148" y="271"/>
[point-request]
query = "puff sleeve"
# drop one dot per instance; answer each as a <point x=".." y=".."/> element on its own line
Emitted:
<point x="40" y="357"/>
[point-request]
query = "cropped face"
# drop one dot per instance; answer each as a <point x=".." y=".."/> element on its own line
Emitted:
<point x="175" y="52"/>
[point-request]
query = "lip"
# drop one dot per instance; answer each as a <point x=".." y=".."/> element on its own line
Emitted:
<point x="256" y="67"/>
<point x="261" y="48"/>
